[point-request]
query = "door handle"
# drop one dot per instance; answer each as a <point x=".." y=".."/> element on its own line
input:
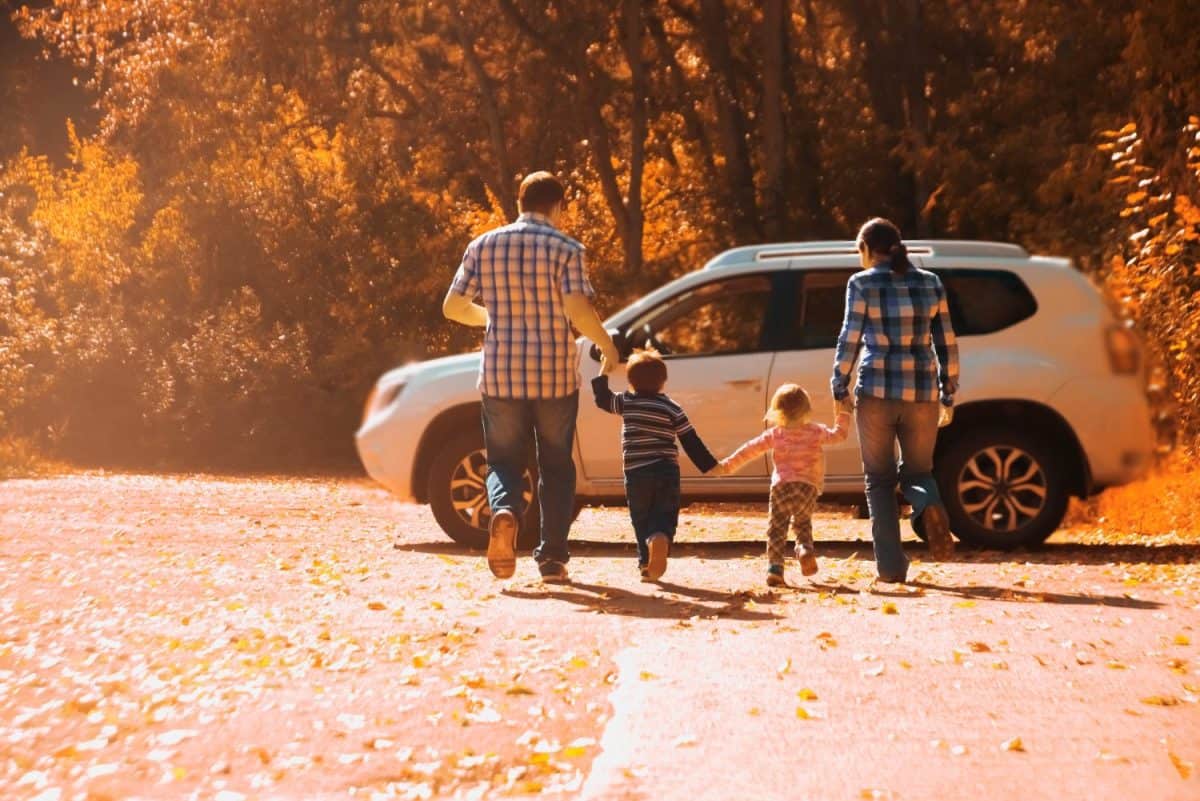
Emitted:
<point x="744" y="382"/>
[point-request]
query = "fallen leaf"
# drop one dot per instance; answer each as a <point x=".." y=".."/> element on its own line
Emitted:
<point x="1160" y="700"/>
<point x="979" y="647"/>
<point x="785" y="668"/>
<point x="889" y="608"/>
<point x="958" y="750"/>
<point x="806" y="695"/>
<point x="1183" y="766"/>
<point x="876" y="670"/>
<point x="1182" y="639"/>
<point x="377" y="606"/>
<point x="802" y="713"/>
<point x="965" y="604"/>
<point x="684" y="741"/>
<point x="1083" y="658"/>
<point x="1014" y="744"/>
<point x="646" y="675"/>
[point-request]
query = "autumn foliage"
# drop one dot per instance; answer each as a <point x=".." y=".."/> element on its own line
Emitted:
<point x="247" y="210"/>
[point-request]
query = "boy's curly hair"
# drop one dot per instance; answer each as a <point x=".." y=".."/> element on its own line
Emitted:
<point x="647" y="372"/>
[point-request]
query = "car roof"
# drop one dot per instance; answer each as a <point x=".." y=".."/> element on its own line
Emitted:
<point x="783" y="252"/>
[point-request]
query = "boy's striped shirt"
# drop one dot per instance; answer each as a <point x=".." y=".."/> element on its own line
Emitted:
<point x="650" y="425"/>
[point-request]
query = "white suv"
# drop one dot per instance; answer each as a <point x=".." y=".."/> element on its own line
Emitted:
<point x="1053" y="400"/>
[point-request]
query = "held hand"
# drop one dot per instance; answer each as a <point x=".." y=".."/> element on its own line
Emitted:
<point x="845" y="405"/>
<point x="721" y="469"/>
<point x="945" y="415"/>
<point x="609" y="359"/>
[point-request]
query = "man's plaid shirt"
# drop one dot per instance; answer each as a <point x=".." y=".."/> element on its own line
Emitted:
<point x="902" y="322"/>
<point x="521" y="271"/>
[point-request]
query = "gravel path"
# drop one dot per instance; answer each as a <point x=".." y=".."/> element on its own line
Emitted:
<point x="201" y="637"/>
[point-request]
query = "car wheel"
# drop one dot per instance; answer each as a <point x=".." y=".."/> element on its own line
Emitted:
<point x="458" y="494"/>
<point x="1002" y="488"/>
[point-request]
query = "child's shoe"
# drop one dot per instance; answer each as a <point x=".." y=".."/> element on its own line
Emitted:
<point x="807" y="559"/>
<point x="658" y="545"/>
<point x="775" y="576"/>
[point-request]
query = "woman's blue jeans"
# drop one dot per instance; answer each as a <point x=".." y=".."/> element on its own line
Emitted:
<point x="881" y="424"/>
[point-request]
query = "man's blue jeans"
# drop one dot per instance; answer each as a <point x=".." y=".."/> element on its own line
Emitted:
<point x="880" y="424"/>
<point x="510" y="426"/>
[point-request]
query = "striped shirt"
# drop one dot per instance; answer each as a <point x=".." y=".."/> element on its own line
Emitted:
<point x="522" y="271"/>
<point x="903" y="324"/>
<point x="795" y="450"/>
<point x="649" y="426"/>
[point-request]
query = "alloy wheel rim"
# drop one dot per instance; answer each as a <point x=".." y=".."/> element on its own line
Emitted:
<point x="1002" y="488"/>
<point x="468" y="490"/>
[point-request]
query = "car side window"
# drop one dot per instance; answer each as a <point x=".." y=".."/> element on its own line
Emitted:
<point x="980" y="301"/>
<point x="820" y="306"/>
<point x="986" y="301"/>
<point x="722" y="317"/>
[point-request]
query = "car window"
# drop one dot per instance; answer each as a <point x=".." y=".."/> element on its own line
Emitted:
<point x="986" y="301"/>
<point x="980" y="301"/>
<point x="721" y="317"/>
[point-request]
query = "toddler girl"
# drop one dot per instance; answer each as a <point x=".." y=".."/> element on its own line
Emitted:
<point x="799" y="476"/>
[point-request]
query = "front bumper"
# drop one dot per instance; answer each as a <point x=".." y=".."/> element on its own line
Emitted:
<point x="387" y="453"/>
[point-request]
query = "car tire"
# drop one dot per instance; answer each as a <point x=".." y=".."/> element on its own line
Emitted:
<point x="1003" y="488"/>
<point x="458" y="496"/>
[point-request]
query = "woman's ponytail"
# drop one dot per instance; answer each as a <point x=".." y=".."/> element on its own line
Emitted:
<point x="898" y="258"/>
<point x="881" y="238"/>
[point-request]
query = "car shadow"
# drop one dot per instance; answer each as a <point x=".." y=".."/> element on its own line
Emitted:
<point x="1051" y="553"/>
<point x="609" y="600"/>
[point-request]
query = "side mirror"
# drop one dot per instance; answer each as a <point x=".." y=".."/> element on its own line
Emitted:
<point x="618" y="338"/>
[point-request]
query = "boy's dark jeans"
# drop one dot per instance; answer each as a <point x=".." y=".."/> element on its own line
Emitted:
<point x="653" y="495"/>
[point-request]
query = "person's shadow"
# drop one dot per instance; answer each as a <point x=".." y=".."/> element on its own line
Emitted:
<point x="696" y="601"/>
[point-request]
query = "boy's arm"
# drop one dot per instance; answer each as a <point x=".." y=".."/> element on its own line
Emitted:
<point x="745" y="454"/>
<point x="693" y="446"/>
<point x="840" y="430"/>
<point x="605" y="399"/>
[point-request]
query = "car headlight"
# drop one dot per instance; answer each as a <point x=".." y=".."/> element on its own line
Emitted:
<point x="381" y="398"/>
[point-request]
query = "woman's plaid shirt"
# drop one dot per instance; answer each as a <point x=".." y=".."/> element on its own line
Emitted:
<point x="903" y="323"/>
<point x="521" y="271"/>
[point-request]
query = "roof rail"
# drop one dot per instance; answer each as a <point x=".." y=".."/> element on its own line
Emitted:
<point x="954" y="248"/>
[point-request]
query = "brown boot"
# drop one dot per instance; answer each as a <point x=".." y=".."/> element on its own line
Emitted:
<point x="502" y="544"/>
<point x="937" y="533"/>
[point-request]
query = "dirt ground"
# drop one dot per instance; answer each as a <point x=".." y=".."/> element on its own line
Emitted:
<point x="201" y="637"/>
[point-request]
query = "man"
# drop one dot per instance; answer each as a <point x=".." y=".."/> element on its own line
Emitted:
<point x="533" y="285"/>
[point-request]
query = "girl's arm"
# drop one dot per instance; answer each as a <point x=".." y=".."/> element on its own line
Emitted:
<point x="840" y="430"/>
<point x="745" y="454"/>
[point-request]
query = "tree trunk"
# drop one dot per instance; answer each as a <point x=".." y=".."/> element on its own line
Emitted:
<point x="731" y="122"/>
<point x="638" y="125"/>
<point x="774" y="120"/>
<point x="504" y="177"/>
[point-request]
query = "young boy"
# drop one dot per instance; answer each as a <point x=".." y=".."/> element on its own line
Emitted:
<point x="651" y="421"/>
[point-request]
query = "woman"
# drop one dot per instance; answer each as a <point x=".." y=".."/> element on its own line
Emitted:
<point x="900" y="316"/>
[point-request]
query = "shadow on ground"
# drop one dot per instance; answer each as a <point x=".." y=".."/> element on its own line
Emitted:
<point x="1052" y="553"/>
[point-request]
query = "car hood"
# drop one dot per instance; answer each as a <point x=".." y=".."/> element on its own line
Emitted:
<point x="465" y="364"/>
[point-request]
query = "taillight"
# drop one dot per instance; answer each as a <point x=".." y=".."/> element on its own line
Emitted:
<point x="1124" y="350"/>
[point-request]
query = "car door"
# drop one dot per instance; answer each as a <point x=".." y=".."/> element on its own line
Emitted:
<point x="715" y="340"/>
<point x="807" y="357"/>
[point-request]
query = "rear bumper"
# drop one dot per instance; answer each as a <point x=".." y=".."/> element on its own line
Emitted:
<point x="1112" y="419"/>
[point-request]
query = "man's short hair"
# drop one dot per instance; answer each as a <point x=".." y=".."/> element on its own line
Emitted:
<point x="646" y="373"/>
<point x="539" y="192"/>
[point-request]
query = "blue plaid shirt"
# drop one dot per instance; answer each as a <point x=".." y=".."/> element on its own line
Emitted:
<point x="521" y="271"/>
<point x="902" y="323"/>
